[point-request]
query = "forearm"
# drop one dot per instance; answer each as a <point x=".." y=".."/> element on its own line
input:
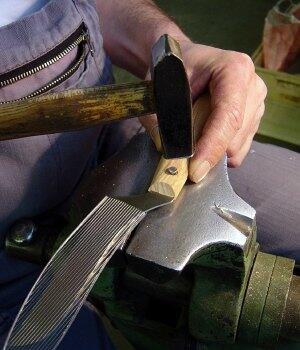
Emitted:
<point x="237" y="94"/>
<point x="130" y="28"/>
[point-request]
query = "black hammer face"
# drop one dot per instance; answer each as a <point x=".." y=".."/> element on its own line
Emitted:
<point x="172" y="99"/>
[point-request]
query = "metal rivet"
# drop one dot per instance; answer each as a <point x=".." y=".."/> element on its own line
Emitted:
<point x="23" y="231"/>
<point x="172" y="170"/>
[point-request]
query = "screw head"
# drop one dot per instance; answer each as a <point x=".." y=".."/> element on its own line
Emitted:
<point x="172" y="170"/>
<point x="23" y="231"/>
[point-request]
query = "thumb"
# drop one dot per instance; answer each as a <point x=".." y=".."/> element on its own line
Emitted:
<point x="220" y="128"/>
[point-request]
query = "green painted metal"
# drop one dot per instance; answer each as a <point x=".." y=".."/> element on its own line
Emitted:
<point x="291" y="320"/>
<point x="216" y="293"/>
<point x="255" y="297"/>
<point x="204" y="302"/>
<point x="220" y="283"/>
<point x="281" y="121"/>
<point x="271" y="321"/>
<point x="130" y="302"/>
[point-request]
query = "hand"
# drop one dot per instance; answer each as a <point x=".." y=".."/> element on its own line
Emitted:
<point x="237" y="105"/>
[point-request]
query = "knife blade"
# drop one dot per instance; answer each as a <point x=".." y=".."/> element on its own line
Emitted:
<point x="57" y="296"/>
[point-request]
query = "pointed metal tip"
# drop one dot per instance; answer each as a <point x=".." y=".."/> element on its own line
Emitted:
<point x="239" y="221"/>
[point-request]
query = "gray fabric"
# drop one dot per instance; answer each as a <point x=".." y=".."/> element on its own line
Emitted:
<point x="39" y="173"/>
<point x="269" y="180"/>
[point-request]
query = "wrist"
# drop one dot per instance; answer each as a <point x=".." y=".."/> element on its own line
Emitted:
<point x="171" y="29"/>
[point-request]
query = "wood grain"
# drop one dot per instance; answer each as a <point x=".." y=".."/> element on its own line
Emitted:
<point x="171" y="185"/>
<point x="167" y="184"/>
<point x="75" y="109"/>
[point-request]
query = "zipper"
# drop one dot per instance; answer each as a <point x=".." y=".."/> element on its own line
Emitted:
<point x="79" y="38"/>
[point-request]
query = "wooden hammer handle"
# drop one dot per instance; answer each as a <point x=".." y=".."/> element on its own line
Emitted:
<point x="171" y="174"/>
<point x="75" y="109"/>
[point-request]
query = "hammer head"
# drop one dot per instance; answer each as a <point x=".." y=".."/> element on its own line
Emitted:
<point x="172" y="99"/>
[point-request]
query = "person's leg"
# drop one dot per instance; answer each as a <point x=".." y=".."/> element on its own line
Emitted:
<point x="87" y="332"/>
<point x="269" y="180"/>
<point x="39" y="173"/>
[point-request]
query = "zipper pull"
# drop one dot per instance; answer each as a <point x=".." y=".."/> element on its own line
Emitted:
<point x="87" y="38"/>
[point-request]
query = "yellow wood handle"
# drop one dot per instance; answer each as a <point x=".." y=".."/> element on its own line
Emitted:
<point x="171" y="174"/>
<point x="201" y="112"/>
<point x="170" y="177"/>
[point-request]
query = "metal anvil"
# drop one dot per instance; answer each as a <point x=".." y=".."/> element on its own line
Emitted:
<point x="190" y="268"/>
<point x="206" y="216"/>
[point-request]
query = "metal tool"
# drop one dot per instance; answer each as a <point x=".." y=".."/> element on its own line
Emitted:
<point x="217" y="286"/>
<point x="64" y="284"/>
<point x="74" y="268"/>
<point x="71" y="273"/>
<point x="168" y="95"/>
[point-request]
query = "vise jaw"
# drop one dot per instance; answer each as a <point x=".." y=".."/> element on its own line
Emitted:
<point x="199" y="258"/>
<point x="206" y="216"/>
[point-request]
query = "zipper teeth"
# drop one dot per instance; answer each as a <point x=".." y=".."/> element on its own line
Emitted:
<point x="52" y="84"/>
<point x="46" y="64"/>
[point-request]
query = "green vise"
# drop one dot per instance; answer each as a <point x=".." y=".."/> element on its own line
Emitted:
<point x="191" y="276"/>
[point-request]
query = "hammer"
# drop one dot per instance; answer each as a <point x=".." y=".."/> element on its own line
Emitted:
<point x="108" y="225"/>
<point x="168" y="95"/>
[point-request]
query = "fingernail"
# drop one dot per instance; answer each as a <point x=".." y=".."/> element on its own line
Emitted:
<point x="199" y="170"/>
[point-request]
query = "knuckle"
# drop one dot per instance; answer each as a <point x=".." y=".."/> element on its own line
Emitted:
<point x="214" y="145"/>
<point x="246" y="61"/>
<point x="258" y="116"/>
<point x="235" y="162"/>
<point x="233" y="150"/>
<point x="261" y="111"/>
<point x="241" y="59"/>
<point x="254" y="127"/>
<point x="254" y="130"/>
<point x="219" y="151"/>
<point x="233" y="116"/>
<point x="262" y="88"/>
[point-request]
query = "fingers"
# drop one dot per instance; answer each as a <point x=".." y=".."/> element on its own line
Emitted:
<point x="237" y="105"/>
<point x="238" y="156"/>
<point x="229" y="92"/>
<point x="237" y="160"/>
<point x="253" y="113"/>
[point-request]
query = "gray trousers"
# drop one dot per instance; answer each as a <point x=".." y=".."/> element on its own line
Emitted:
<point x="269" y="180"/>
<point x="38" y="174"/>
